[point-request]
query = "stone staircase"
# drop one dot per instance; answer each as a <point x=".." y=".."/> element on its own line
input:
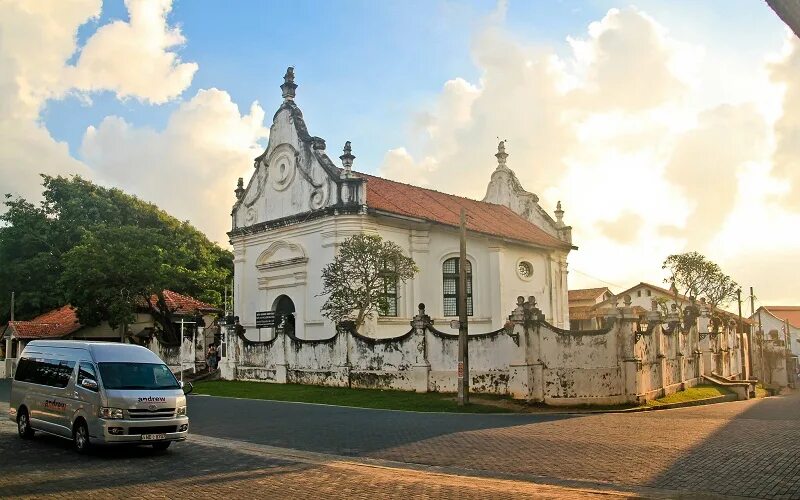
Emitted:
<point x="744" y="389"/>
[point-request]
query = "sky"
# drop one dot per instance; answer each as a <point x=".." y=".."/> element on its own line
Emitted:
<point x="662" y="127"/>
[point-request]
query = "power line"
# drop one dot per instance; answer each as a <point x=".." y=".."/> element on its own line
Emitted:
<point x="598" y="279"/>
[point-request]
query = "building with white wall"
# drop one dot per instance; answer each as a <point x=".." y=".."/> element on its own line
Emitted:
<point x="773" y="321"/>
<point x="298" y="207"/>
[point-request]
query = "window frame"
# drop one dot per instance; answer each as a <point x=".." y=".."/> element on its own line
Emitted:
<point x="389" y="290"/>
<point x="454" y="277"/>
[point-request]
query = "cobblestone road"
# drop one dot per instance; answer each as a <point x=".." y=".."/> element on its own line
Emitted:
<point x="206" y="468"/>
<point x="748" y="448"/>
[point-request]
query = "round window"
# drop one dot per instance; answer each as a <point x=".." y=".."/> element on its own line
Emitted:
<point x="525" y="269"/>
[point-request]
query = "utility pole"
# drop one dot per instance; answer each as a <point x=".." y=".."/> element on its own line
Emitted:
<point x="463" y="343"/>
<point x="740" y="333"/>
<point x="750" y="333"/>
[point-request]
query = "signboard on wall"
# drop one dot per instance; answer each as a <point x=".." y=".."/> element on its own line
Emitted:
<point x="265" y="319"/>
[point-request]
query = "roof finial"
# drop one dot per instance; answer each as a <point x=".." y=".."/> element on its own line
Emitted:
<point x="347" y="159"/>
<point x="288" y="87"/>
<point x="239" y="189"/>
<point x="559" y="215"/>
<point x="501" y="154"/>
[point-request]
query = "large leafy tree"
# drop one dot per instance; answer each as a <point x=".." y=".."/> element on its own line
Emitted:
<point x="694" y="275"/>
<point x="101" y="250"/>
<point x="356" y="281"/>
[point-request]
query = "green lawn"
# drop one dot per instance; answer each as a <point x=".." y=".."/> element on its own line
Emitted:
<point x="704" y="391"/>
<point x="360" y="398"/>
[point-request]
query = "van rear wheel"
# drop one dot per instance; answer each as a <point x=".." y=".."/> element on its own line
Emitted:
<point x="80" y="437"/>
<point x="161" y="445"/>
<point x="24" y="424"/>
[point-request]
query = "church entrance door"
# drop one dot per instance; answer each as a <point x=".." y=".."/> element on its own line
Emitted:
<point x="284" y="315"/>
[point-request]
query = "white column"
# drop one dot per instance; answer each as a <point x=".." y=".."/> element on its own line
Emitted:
<point x="495" y="288"/>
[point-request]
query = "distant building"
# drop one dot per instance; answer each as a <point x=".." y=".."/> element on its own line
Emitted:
<point x="773" y="320"/>
<point x="582" y="303"/>
<point x="585" y="315"/>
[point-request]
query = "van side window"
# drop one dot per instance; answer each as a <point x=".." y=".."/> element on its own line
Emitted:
<point x="86" y="370"/>
<point x="43" y="371"/>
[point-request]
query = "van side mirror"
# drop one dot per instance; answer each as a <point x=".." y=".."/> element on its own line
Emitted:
<point x="187" y="387"/>
<point x="90" y="384"/>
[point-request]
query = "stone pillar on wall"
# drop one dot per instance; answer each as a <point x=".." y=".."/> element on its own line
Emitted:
<point x="282" y="363"/>
<point x="525" y="369"/>
<point x="422" y="367"/>
<point x="626" y="337"/>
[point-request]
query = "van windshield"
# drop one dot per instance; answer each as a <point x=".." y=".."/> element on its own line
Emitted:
<point x="137" y="376"/>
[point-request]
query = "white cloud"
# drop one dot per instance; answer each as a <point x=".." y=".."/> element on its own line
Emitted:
<point x="37" y="38"/>
<point x="625" y="133"/>
<point x="190" y="168"/>
<point x="135" y="59"/>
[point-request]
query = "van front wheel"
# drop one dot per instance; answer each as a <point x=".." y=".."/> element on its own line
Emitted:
<point x="24" y="424"/>
<point x="80" y="437"/>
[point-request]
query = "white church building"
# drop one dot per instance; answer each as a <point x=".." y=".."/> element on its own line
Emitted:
<point x="299" y="206"/>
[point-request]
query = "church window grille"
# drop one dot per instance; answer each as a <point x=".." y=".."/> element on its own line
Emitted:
<point x="388" y="307"/>
<point x="450" y="277"/>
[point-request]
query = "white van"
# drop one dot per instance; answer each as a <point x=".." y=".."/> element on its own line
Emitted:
<point x="97" y="393"/>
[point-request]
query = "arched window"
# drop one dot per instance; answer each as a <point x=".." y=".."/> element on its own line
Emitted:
<point x="450" y="278"/>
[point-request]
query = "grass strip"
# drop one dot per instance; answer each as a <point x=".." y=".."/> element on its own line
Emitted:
<point x="343" y="396"/>
<point x="695" y="393"/>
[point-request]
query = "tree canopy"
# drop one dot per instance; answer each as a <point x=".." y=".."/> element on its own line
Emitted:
<point x="357" y="280"/>
<point x="102" y="250"/>
<point x="695" y="276"/>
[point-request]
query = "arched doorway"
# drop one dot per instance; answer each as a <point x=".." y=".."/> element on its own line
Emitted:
<point x="284" y="315"/>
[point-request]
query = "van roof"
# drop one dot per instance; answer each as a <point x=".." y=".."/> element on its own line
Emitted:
<point x="104" y="351"/>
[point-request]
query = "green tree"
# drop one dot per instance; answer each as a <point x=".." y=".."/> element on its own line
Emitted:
<point x="694" y="276"/>
<point x="356" y="279"/>
<point x="41" y="248"/>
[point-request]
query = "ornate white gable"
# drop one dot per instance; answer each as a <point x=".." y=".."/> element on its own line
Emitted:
<point x="294" y="176"/>
<point x="505" y="189"/>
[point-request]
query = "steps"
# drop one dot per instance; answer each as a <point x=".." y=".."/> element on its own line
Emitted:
<point x="744" y="389"/>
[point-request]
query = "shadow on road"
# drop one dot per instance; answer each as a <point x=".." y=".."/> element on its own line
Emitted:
<point x="48" y="465"/>
<point x="756" y="453"/>
<point x="331" y="429"/>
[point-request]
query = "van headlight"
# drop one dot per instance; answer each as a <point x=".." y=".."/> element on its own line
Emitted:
<point x="181" y="411"/>
<point x="113" y="413"/>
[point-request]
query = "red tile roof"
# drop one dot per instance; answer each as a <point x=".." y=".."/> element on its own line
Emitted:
<point x="183" y="304"/>
<point x="53" y="324"/>
<point x="587" y="293"/>
<point x="427" y="204"/>
<point x="786" y="313"/>
<point x="64" y="320"/>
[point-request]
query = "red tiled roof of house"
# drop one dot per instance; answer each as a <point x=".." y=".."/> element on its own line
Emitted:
<point x="581" y="312"/>
<point x="587" y="293"/>
<point x="427" y="204"/>
<point x="50" y="325"/>
<point x="786" y="313"/>
<point x="183" y="304"/>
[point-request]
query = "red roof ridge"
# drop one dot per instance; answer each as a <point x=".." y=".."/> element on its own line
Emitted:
<point x="435" y="206"/>
<point x="424" y="188"/>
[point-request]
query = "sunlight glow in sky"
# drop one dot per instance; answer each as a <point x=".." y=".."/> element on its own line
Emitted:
<point x="662" y="127"/>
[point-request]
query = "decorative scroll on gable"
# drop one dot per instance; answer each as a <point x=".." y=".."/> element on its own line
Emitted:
<point x="294" y="175"/>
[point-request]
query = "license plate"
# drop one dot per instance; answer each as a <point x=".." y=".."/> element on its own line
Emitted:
<point x="153" y="437"/>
